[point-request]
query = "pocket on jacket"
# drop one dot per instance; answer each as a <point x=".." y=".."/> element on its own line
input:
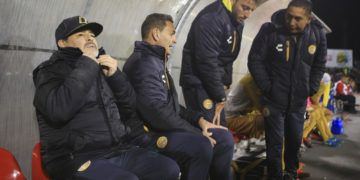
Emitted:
<point x="78" y="141"/>
<point x="308" y="59"/>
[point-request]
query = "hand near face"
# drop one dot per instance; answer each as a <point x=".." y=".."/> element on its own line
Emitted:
<point x="109" y="65"/>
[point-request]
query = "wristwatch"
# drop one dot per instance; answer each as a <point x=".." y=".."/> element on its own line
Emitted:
<point x="223" y="99"/>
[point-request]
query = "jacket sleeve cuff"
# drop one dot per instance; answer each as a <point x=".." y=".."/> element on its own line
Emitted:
<point x="115" y="80"/>
<point x="220" y="99"/>
<point x="196" y="118"/>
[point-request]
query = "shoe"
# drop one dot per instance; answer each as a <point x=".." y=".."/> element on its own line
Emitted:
<point x="353" y="111"/>
<point x="288" y="176"/>
<point x="315" y="136"/>
<point x="303" y="175"/>
<point x="333" y="142"/>
<point x="302" y="148"/>
<point x="307" y="142"/>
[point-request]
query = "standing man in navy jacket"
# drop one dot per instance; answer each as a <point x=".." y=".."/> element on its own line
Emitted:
<point x="287" y="62"/>
<point x="198" y="146"/>
<point x="212" y="45"/>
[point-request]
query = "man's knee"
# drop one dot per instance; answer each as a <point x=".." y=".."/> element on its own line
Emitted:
<point x="191" y="145"/>
<point x="170" y="169"/>
<point x="128" y="176"/>
<point x="223" y="138"/>
<point x="203" y="149"/>
<point x="103" y="169"/>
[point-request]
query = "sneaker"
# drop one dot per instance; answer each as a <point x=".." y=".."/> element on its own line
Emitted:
<point x="333" y="142"/>
<point x="303" y="175"/>
<point x="288" y="176"/>
<point x="353" y="111"/>
<point x="315" y="136"/>
<point x="307" y="142"/>
<point x="302" y="148"/>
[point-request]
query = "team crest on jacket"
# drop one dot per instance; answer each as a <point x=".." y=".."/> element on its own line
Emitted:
<point x="312" y="49"/>
<point x="84" y="166"/>
<point x="161" y="142"/>
<point x="266" y="112"/>
<point x="207" y="104"/>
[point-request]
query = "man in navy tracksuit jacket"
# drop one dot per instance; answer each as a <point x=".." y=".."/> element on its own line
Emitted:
<point x="212" y="45"/>
<point x="198" y="146"/>
<point x="287" y="62"/>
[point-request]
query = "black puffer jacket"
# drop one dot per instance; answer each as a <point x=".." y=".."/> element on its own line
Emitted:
<point x="212" y="46"/>
<point x="285" y="70"/>
<point x="157" y="99"/>
<point x="77" y="111"/>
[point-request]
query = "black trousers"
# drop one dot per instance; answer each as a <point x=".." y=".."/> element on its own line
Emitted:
<point x="283" y="127"/>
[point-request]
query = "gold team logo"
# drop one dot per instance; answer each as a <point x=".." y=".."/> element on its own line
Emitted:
<point x="312" y="49"/>
<point x="84" y="166"/>
<point x="266" y="112"/>
<point x="161" y="142"/>
<point x="82" y="20"/>
<point x="207" y="104"/>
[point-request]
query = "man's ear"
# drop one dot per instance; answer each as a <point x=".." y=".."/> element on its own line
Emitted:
<point x="61" y="43"/>
<point x="309" y="19"/>
<point x="155" y="33"/>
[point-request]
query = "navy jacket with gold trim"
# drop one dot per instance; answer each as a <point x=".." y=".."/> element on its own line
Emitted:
<point x="212" y="46"/>
<point x="157" y="100"/>
<point x="287" y="69"/>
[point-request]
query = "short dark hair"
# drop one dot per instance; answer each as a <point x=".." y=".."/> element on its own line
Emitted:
<point x="306" y="4"/>
<point x="155" y="20"/>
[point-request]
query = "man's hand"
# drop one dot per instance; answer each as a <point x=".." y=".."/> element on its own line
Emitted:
<point x="218" y="108"/>
<point x="109" y="65"/>
<point x="205" y="126"/>
<point x="226" y="87"/>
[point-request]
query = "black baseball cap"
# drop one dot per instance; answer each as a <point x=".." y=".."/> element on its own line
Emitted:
<point x="76" y="24"/>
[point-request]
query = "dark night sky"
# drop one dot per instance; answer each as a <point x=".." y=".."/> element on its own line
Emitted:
<point x="342" y="16"/>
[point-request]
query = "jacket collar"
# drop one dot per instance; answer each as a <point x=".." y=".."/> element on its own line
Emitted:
<point x="68" y="53"/>
<point x="154" y="50"/>
<point x="278" y="19"/>
<point x="227" y="6"/>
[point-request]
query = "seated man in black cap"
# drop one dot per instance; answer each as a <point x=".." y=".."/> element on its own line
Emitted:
<point x="85" y="106"/>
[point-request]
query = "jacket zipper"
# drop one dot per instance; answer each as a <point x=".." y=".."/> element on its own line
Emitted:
<point x="99" y="87"/>
<point x="166" y="76"/>
<point x="298" y="44"/>
<point x="170" y="94"/>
